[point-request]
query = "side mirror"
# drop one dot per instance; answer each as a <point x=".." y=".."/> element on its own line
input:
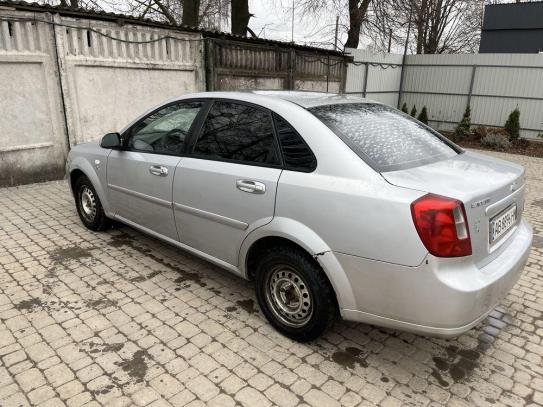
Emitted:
<point x="111" y="140"/>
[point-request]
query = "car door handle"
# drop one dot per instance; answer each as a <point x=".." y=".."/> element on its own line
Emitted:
<point x="158" y="170"/>
<point x="253" y="187"/>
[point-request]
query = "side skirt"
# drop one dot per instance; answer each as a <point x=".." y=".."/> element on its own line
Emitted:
<point x="222" y="264"/>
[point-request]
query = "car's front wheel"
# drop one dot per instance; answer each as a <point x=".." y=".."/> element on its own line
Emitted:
<point x="88" y="204"/>
<point x="294" y="293"/>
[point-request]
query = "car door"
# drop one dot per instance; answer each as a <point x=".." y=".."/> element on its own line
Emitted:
<point x="140" y="176"/>
<point x="226" y="187"/>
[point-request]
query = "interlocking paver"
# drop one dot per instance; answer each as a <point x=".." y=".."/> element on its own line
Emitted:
<point x="112" y="319"/>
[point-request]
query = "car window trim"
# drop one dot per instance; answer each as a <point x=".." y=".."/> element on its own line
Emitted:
<point x="196" y="135"/>
<point x="286" y="167"/>
<point x="128" y="132"/>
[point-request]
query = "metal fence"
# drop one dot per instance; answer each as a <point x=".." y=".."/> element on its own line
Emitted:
<point x="491" y="84"/>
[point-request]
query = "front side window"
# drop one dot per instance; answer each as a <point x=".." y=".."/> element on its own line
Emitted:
<point x="237" y="132"/>
<point x="385" y="138"/>
<point x="165" y="130"/>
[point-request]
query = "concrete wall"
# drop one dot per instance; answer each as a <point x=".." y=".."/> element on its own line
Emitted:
<point x="492" y="84"/>
<point x="63" y="84"/>
<point x="233" y="65"/>
<point x="108" y="82"/>
<point x="33" y="140"/>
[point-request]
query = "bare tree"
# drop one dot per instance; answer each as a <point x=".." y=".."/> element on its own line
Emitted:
<point x="439" y="26"/>
<point x="357" y="13"/>
<point x="209" y="14"/>
<point x="240" y="17"/>
<point x="352" y="16"/>
<point x="70" y="3"/>
<point x="191" y="9"/>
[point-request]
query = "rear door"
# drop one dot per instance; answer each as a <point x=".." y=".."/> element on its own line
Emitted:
<point x="140" y="176"/>
<point x="227" y="186"/>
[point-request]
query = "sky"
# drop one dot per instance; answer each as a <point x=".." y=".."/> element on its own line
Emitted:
<point x="273" y="19"/>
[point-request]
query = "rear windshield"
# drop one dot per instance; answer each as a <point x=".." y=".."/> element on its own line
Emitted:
<point x="385" y="138"/>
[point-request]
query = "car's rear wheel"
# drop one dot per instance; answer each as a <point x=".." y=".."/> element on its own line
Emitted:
<point x="294" y="293"/>
<point x="89" y="207"/>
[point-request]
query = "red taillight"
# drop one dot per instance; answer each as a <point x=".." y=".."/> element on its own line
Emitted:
<point x="442" y="225"/>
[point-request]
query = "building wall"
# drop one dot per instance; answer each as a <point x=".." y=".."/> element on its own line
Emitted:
<point x="512" y="41"/>
<point x="512" y="28"/>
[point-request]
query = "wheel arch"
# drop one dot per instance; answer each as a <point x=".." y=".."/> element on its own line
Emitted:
<point x="79" y="166"/>
<point x="293" y="233"/>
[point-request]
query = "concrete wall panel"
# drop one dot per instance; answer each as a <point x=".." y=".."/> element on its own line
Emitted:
<point x="108" y="98"/>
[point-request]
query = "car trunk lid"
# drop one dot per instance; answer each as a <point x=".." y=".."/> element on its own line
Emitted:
<point x="487" y="186"/>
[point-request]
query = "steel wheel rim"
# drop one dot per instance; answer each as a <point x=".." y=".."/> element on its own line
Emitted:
<point x="88" y="203"/>
<point x="288" y="296"/>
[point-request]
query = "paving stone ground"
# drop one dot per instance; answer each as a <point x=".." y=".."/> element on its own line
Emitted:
<point x="118" y="318"/>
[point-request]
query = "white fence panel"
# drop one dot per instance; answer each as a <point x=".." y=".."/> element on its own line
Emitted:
<point x="374" y="75"/>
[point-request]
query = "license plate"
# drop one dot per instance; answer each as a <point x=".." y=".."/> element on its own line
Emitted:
<point x="501" y="223"/>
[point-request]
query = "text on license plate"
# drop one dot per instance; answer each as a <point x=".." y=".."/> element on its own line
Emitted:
<point x="500" y="224"/>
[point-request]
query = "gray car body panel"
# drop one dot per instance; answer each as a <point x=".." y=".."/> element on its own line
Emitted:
<point x="355" y="221"/>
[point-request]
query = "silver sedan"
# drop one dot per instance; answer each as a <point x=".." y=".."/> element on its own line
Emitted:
<point x="331" y="204"/>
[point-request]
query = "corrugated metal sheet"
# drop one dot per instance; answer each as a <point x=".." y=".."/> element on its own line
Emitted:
<point x="383" y="75"/>
<point x="499" y="83"/>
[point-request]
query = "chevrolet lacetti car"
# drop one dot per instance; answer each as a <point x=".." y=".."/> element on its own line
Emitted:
<point x="330" y="203"/>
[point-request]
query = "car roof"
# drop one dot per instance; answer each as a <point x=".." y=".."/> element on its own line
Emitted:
<point x="310" y="99"/>
<point x="301" y="98"/>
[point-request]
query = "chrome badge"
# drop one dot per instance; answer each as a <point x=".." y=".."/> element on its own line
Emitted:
<point x="482" y="202"/>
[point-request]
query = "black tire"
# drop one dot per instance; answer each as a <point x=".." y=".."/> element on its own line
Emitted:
<point x="95" y="220"/>
<point x="272" y="270"/>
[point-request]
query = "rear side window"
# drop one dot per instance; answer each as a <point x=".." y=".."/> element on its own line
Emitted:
<point x="385" y="138"/>
<point x="238" y="132"/>
<point x="296" y="154"/>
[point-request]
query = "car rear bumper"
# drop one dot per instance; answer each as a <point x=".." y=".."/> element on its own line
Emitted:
<point x="441" y="297"/>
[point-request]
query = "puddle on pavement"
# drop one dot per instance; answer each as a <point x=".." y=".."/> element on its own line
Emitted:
<point x="64" y="254"/>
<point x="100" y="303"/>
<point x="350" y="357"/>
<point x="247" y="305"/>
<point x="458" y="363"/>
<point x="185" y="276"/>
<point x="29" y="305"/>
<point x="231" y="308"/>
<point x="136" y="367"/>
<point x="538" y="241"/>
<point x="94" y="347"/>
